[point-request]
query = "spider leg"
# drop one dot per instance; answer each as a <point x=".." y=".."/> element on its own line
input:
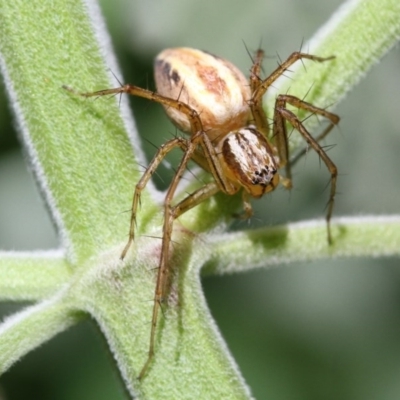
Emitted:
<point x="281" y="115"/>
<point x="152" y="96"/>
<point x="301" y="104"/>
<point x="209" y="160"/>
<point x="281" y="69"/>
<point x="258" y="90"/>
<point x="303" y="151"/>
<point x="171" y="213"/>
<point x="255" y="70"/>
<point x="247" y="207"/>
<point x="157" y="159"/>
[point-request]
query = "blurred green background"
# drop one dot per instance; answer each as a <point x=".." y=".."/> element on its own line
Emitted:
<point x="322" y="330"/>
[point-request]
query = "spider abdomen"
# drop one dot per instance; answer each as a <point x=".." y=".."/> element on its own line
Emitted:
<point x="212" y="86"/>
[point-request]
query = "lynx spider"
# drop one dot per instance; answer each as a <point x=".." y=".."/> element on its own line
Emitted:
<point x="240" y="152"/>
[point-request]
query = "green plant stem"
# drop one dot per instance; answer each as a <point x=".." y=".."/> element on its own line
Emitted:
<point x="80" y="151"/>
<point x="26" y="330"/>
<point x="32" y="276"/>
<point x="304" y="241"/>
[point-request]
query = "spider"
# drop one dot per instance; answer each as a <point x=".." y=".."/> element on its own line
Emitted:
<point x="229" y="136"/>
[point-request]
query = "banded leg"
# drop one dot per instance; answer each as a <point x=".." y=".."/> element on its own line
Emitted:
<point x="255" y="70"/>
<point x="256" y="102"/>
<point x="171" y="213"/>
<point x="157" y="159"/>
<point x="281" y="115"/>
<point x="149" y="95"/>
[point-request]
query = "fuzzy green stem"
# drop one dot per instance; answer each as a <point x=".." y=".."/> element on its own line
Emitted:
<point x="22" y="332"/>
<point x="79" y="149"/>
<point x="304" y="241"/>
<point x="32" y="276"/>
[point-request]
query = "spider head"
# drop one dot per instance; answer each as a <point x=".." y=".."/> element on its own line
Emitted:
<point x="248" y="161"/>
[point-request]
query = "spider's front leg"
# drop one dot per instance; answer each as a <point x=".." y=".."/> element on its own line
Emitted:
<point x="281" y="115"/>
<point x="171" y="213"/>
<point x="255" y="70"/>
<point x="260" y="87"/>
<point x="150" y="170"/>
